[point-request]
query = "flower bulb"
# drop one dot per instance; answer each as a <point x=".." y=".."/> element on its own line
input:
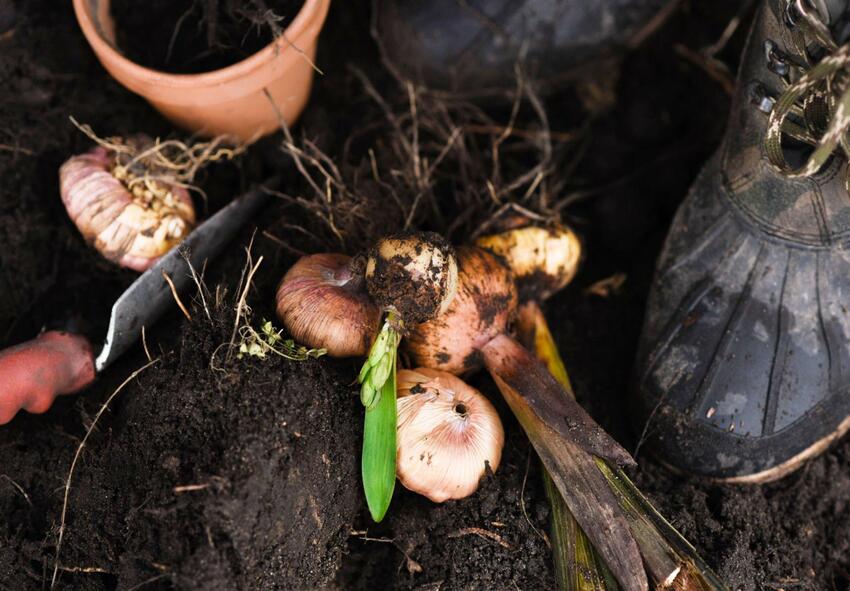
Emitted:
<point x="448" y="434"/>
<point x="322" y="303"/>
<point x="129" y="219"/>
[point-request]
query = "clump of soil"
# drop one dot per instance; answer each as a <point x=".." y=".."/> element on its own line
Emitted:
<point x="226" y="472"/>
<point x="193" y="36"/>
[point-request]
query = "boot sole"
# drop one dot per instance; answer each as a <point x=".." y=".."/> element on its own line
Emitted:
<point x="792" y="464"/>
<point x="779" y="471"/>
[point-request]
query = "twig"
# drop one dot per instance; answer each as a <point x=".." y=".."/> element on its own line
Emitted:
<point x="303" y="54"/>
<point x="241" y="304"/>
<point x="145" y="344"/>
<point x="715" y="69"/>
<point x="18" y="487"/>
<point x="148" y="581"/>
<point x="270" y="19"/>
<point x="190" y="487"/>
<point x="298" y="156"/>
<point x="176" y="32"/>
<point x="77" y="455"/>
<point x="388" y="112"/>
<point x="86" y="570"/>
<point x="732" y="26"/>
<point x="198" y="283"/>
<point x="507" y="131"/>
<point x="176" y="296"/>
<point x="412" y="565"/>
<point x="645" y="432"/>
<point x="456" y="132"/>
<point x="522" y="502"/>
<point x="545" y="146"/>
<point x="481" y="533"/>
<point x="16" y="149"/>
<point x="496" y="217"/>
<point x="559" y="136"/>
<point x="362" y="534"/>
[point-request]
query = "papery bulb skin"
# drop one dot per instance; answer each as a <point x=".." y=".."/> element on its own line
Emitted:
<point x="414" y="274"/>
<point x="543" y="260"/>
<point x="323" y="304"/>
<point x="485" y="303"/>
<point x="129" y="220"/>
<point x="448" y="435"/>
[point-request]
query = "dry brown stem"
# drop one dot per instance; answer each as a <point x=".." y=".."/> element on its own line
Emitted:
<point x="62" y="521"/>
<point x="242" y="309"/>
<point x="176" y="296"/>
<point x="425" y="160"/>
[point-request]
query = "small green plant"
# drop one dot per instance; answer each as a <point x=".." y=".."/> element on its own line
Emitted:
<point x="271" y="340"/>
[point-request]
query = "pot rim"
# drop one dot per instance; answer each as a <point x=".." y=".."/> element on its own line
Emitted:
<point x="306" y="19"/>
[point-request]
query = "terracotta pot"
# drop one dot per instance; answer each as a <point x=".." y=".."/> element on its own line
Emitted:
<point x="226" y="101"/>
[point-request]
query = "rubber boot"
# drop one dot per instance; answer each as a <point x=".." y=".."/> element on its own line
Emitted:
<point x="743" y="371"/>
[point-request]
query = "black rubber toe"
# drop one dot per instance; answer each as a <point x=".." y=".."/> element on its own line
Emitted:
<point x="745" y="365"/>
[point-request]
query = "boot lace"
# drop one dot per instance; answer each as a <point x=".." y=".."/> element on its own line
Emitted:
<point x="814" y="107"/>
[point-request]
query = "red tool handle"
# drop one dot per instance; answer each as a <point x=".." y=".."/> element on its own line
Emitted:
<point x="32" y="374"/>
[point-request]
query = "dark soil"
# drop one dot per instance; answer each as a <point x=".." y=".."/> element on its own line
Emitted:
<point x="192" y="36"/>
<point x="209" y="473"/>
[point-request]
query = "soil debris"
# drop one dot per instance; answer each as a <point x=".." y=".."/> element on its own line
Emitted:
<point x="194" y="36"/>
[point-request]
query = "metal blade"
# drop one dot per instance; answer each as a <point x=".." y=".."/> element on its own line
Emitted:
<point x="150" y="295"/>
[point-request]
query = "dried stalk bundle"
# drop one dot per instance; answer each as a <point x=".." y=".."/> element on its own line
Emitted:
<point x="577" y="565"/>
<point x="431" y="161"/>
<point x="670" y="560"/>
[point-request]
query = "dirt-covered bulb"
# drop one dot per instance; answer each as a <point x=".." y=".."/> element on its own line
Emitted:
<point x="543" y="260"/>
<point x="414" y="274"/>
<point x="448" y="435"/>
<point x="485" y="303"/>
<point x="323" y="304"/>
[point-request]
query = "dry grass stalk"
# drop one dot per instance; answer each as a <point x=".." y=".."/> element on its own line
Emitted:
<point x="66" y="498"/>
<point x="242" y="309"/>
<point x="423" y="159"/>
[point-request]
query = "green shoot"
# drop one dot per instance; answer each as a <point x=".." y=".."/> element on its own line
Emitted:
<point x="378" y="395"/>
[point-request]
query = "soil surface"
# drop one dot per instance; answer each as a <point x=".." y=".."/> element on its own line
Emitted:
<point x="192" y="36"/>
<point x="212" y="472"/>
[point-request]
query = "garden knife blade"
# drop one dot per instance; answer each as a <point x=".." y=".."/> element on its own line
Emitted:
<point x="32" y="374"/>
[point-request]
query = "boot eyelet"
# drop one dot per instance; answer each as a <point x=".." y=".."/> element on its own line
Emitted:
<point x="760" y="98"/>
<point x="794" y="10"/>
<point x="790" y="14"/>
<point x="777" y="62"/>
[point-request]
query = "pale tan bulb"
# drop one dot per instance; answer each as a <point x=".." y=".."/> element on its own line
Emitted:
<point x="543" y="260"/>
<point x="448" y="433"/>
<point x="323" y="304"/>
<point x="414" y="273"/>
<point x="132" y="227"/>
